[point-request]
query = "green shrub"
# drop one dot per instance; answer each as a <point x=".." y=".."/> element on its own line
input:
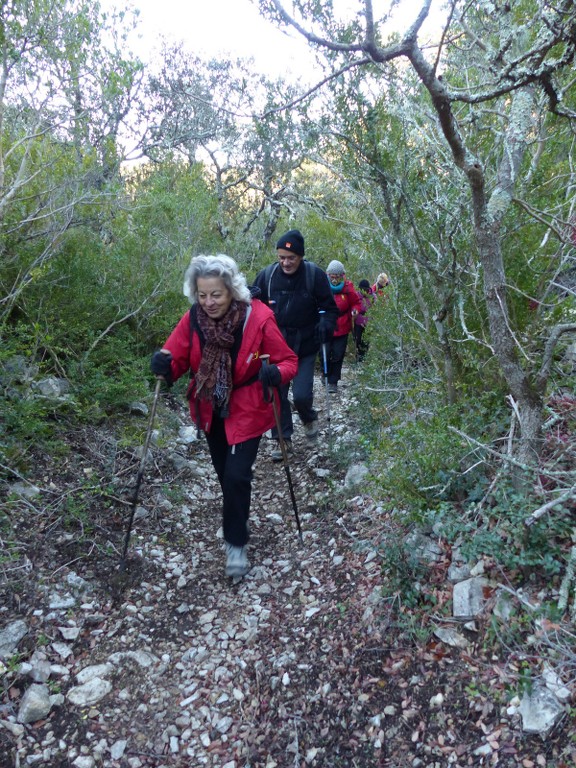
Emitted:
<point x="496" y="529"/>
<point x="112" y="377"/>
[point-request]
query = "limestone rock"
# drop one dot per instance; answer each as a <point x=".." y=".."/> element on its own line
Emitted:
<point x="35" y="704"/>
<point x="540" y="710"/>
<point x="468" y="598"/>
<point x="89" y="693"/>
<point x="10" y="636"/>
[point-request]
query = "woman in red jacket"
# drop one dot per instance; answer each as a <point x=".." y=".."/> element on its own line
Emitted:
<point x="221" y="340"/>
<point x="349" y="304"/>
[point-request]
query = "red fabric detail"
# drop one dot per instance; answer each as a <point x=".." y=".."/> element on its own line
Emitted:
<point x="249" y="415"/>
<point x="346" y="301"/>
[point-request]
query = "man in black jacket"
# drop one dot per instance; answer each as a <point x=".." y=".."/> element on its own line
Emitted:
<point x="300" y="295"/>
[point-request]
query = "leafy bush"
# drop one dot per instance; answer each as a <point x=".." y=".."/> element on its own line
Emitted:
<point x="424" y="460"/>
<point x="496" y="529"/>
<point x="110" y="380"/>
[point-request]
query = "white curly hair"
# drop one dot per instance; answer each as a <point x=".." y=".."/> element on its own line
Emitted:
<point x="218" y="265"/>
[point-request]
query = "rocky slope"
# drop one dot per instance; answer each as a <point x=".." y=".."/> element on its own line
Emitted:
<point x="302" y="663"/>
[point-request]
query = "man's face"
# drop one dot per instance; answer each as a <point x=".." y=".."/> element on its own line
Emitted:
<point x="289" y="262"/>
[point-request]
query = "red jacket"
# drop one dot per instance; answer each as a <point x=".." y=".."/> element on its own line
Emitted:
<point x="378" y="290"/>
<point x="250" y="416"/>
<point x="347" y="300"/>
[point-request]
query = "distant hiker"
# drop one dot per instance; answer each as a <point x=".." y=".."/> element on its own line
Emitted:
<point x="349" y="304"/>
<point x="381" y="282"/>
<point x="220" y="341"/>
<point x="361" y="320"/>
<point x="297" y="291"/>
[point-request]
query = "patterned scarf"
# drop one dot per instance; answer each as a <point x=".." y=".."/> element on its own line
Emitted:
<point x="214" y="377"/>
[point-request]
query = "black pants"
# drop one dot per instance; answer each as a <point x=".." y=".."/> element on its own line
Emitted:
<point x="302" y="394"/>
<point x="233" y="465"/>
<point x="361" y="344"/>
<point x="336" y="352"/>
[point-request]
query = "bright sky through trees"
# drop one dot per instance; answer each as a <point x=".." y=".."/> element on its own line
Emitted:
<point x="234" y="28"/>
<point x="219" y="28"/>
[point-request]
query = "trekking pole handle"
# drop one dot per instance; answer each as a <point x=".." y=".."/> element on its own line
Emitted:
<point x="268" y="394"/>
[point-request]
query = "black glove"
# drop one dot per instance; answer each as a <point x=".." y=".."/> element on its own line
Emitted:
<point x="270" y="375"/>
<point x="324" y="330"/>
<point x="160" y="365"/>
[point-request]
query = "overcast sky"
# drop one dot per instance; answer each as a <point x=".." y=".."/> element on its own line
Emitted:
<point x="219" y="28"/>
<point x="232" y="28"/>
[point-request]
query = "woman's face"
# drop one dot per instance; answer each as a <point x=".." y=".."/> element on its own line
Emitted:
<point x="213" y="296"/>
<point x="335" y="279"/>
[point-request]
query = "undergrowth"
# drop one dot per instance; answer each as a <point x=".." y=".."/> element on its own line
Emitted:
<point x="427" y="459"/>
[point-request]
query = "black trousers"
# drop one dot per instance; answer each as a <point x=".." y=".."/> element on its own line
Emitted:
<point x="302" y="394"/>
<point x="361" y="344"/>
<point x="233" y="465"/>
<point x="336" y="352"/>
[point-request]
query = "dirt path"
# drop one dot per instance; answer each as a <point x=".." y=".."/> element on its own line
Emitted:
<point x="301" y="663"/>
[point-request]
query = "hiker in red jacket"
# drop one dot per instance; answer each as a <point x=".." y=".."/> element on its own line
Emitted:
<point x="349" y="304"/>
<point x="381" y="282"/>
<point x="220" y="340"/>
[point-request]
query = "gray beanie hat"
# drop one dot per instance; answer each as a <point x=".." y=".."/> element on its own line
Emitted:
<point x="335" y="268"/>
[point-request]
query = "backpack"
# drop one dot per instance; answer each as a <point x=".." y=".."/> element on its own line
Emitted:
<point x="308" y="268"/>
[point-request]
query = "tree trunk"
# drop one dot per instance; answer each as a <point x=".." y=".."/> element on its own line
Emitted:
<point x="487" y="217"/>
<point x="506" y="347"/>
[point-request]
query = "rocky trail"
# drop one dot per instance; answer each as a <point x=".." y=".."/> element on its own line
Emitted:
<point x="170" y="664"/>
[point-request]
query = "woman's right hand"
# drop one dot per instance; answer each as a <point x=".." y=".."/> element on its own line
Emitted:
<point x="161" y="364"/>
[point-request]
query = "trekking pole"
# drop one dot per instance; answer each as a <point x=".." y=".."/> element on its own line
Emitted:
<point x="140" y="474"/>
<point x="269" y="397"/>
<point x="325" y="369"/>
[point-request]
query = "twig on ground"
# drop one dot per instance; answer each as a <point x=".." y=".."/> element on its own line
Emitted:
<point x="76" y="559"/>
<point x="538" y="513"/>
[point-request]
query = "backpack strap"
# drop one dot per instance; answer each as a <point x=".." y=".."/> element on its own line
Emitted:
<point x="268" y="274"/>
<point x="193" y="329"/>
<point x="308" y="269"/>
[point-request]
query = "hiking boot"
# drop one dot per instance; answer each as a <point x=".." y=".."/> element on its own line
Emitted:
<point x="236" y="561"/>
<point x="276" y="454"/>
<point x="311" y="429"/>
<point x="333" y="388"/>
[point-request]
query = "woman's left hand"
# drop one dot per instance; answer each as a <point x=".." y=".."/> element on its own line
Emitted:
<point x="270" y="375"/>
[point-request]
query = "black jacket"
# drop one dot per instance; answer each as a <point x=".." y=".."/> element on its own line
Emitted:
<point x="296" y="306"/>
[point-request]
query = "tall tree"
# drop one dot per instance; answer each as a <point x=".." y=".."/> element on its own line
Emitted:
<point x="507" y="59"/>
<point x="66" y="87"/>
<point x="222" y="113"/>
